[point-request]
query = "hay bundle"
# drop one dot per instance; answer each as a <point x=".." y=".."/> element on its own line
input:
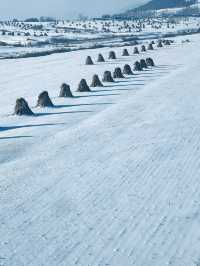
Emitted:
<point x="137" y="66"/>
<point x="160" y="44"/>
<point x="65" y="91"/>
<point x="83" y="86"/>
<point x="125" y="52"/>
<point x="100" y="58"/>
<point x="107" y="77"/>
<point x="150" y="46"/>
<point x="118" y="73"/>
<point x="143" y="63"/>
<point x="22" y="108"/>
<point x="127" y="70"/>
<point x="96" y="81"/>
<point x="150" y="62"/>
<point x="44" y="100"/>
<point x="143" y="48"/>
<point x="167" y="42"/>
<point x="135" y="51"/>
<point x="89" y="61"/>
<point x="112" y="55"/>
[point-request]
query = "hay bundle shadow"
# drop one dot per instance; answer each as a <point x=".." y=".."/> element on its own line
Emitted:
<point x="143" y="48"/>
<point x="137" y="66"/>
<point x="143" y="63"/>
<point x="150" y="47"/>
<point x="22" y="107"/>
<point x="127" y="70"/>
<point x="112" y="55"/>
<point x="89" y="61"/>
<point x="44" y="100"/>
<point x="96" y="81"/>
<point x="100" y="58"/>
<point x="118" y="73"/>
<point x="150" y="62"/>
<point x="107" y="77"/>
<point x="83" y="86"/>
<point x="65" y="91"/>
<point x="125" y="52"/>
<point x="135" y="51"/>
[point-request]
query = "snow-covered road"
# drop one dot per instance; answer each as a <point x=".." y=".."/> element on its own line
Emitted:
<point x="107" y="179"/>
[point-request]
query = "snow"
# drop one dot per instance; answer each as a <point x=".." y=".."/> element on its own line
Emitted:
<point x="76" y="35"/>
<point x="110" y="177"/>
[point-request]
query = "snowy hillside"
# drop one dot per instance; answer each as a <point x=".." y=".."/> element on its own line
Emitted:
<point x="156" y="8"/>
<point x="166" y="4"/>
<point x="109" y="177"/>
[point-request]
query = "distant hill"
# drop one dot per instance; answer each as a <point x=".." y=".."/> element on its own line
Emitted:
<point x="164" y="4"/>
<point x="155" y="5"/>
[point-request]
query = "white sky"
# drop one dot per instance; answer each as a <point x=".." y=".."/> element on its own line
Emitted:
<point x="63" y="8"/>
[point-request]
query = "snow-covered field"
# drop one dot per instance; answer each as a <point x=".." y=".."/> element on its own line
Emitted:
<point x="109" y="178"/>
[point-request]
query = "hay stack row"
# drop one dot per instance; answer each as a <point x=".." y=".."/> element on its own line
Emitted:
<point x="22" y="107"/>
<point x="125" y="52"/>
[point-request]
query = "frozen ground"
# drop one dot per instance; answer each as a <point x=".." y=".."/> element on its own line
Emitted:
<point x="110" y="177"/>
